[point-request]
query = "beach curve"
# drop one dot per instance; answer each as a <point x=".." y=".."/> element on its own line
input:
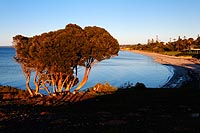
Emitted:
<point x="185" y="69"/>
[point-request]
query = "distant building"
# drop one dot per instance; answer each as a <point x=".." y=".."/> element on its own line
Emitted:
<point x="193" y="51"/>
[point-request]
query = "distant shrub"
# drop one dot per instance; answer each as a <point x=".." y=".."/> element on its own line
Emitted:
<point x="127" y="85"/>
<point x="140" y="86"/>
<point x="102" y="89"/>
<point x="8" y="92"/>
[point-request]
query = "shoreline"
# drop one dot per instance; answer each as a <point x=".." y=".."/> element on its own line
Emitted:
<point x="126" y="110"/>
<point x="185" y="69"/>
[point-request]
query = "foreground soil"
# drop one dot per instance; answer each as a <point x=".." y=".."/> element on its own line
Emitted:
<point x="125" y="110"/>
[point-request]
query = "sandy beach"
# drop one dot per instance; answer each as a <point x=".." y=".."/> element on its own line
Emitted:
<point x="126" y="110"/>
<point x="185" y="69"/>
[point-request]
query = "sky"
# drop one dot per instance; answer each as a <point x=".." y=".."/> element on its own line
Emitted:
<point x="129" y="21"/>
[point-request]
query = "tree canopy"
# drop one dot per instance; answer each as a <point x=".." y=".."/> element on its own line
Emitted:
<point x="179" y="45"/>
<point x="54" y="57"/>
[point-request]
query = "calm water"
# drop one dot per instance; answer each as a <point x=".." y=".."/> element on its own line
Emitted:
<point x="126" y="67"/>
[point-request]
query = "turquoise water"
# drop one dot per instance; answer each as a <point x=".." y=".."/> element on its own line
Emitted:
<point x="126" y="67"/>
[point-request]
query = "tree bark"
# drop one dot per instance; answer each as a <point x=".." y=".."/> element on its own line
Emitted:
<point x="86" y="74"/>
<point x="85" y="78"/>
<point x="53" y="84"/>
<point x="46" y="88"/>
<point x="70" y="85"/>
<point x="60" y="83"/>
<point x="36" y="84"/>
<point x="27" y="75"/>
<point x="65" y="80"/>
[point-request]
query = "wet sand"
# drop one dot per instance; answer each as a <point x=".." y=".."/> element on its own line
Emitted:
<point x="185" y="69"/>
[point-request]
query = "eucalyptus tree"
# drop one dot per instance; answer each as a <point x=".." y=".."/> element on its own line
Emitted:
<point x="23" y="58"/>
<point x="99" y="45"/>
<point x="56" y="56"/>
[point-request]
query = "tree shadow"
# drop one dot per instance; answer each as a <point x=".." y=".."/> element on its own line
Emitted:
<point x="135" y="109"/>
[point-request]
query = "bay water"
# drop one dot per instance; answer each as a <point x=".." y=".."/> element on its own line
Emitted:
<point x="125" y="68"/>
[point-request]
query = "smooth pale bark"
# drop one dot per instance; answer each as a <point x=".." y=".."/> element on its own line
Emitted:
<point x="70" y="84"/>
<point x="65" y="81"/>
<point x="67" y="88"/>
<point x="43" y="82"/>
<point x="36" y="84"/>
<point x="83" y="82"/>
<point x="53" y="83"/>
<point x="27" y="75"/>
<point x="60" y="83"/>
<point x="85" y="78"/>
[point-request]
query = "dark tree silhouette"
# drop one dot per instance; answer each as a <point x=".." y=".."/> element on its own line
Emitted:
<point x="180" y="45"/>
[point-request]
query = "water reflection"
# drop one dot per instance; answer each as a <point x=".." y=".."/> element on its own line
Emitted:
<point x="126" y="67"/>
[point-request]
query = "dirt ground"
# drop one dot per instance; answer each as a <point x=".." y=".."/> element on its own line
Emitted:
<point x="125" y="110"/>
<point x="135" y="109"/>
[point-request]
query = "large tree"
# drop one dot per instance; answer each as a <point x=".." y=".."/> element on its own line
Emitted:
<point x="54" y="57"/>
<point x="100" y="45"/>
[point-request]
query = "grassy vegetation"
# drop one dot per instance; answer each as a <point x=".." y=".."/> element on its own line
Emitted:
<point x="8" y="92"/>
<point x="171" y="53"/>
<point x="101" y="89"/>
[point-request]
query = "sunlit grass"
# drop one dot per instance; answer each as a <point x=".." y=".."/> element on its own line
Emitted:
<point x="171" y="53"/>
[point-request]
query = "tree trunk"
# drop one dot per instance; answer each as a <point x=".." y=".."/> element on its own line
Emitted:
<point x="36" y="84"/>
<point x="46" y="88"/>
<point x="65" y="80"/>
<point x="70" y="85"/>
<point x="53" y="84"/>
<point x="60" y="83"/>
<point x="27" y="75"/>
<point x="85" y="78"/>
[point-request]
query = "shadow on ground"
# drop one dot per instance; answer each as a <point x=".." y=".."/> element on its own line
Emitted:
<point x="133" y="109"/>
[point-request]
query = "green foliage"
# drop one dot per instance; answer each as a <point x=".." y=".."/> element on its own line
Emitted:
<point x="102" y="89"/>
<point x="58" y="54"/>
<point x="171" y="53"/>
<point x="178" y="46"/>
<point x="8" y="92"/>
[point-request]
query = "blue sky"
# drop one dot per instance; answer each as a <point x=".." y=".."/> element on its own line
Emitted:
<point x="129" y="21"/>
